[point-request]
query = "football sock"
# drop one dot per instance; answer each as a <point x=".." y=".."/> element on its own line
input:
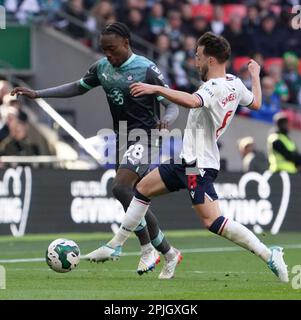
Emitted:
<point x="170" y="254"/>
<point x="135" y="212"/>
<point x="124" y="194"/>
<point x="240" y="235"/>
<point x="157" y="236"/>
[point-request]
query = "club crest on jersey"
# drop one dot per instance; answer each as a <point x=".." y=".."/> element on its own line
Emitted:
<point x="130" y="77"/>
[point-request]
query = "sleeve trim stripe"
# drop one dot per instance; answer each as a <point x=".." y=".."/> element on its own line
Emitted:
<point x="83" y="84"/>
<point x="250" y="103"/>
<point x="200" y="98"/>
<point x="159" y="98"/>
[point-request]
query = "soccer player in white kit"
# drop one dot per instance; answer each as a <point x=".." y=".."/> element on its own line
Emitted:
<point x="212" y="106"/>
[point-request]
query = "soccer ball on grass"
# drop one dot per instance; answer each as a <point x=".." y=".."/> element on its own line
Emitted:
<point x="62" y="255"/>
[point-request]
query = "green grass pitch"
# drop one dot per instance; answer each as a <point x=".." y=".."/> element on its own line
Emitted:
<point x="212" y="268"/>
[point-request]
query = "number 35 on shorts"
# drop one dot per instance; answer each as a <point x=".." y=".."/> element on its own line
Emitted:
<point x="134" y="153"/>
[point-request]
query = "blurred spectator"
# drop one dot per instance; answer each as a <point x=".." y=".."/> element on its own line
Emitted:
<point x="244" y="75"/>
<point x="271" y="103"/>
<point x="18" y="143"/>
<point x="268" y="39"/>
<point x="217" y="23"/>
<point x="139" y="27"/>
<point x="12" y="106"/>
<point x="252" y="159"/>
<point x="282" y="150"/>
<point x="5" y="88"/>
<point x="164" y="58"/>
<point x="27" y="10"/>
<point x="75" y="9"/>
<point x="264" y="7"/>
<point x="281" y="88"/>
<point x="157" y="22"/>
<point x="199" y="26"/>
<point x="174" y="30"/>
<point x="186" y="13"/>
<point x="291" y="75"/>
<point x="103" y="13"/>
<point x="182" y="63"/>
<point x="252" y="20"/>
<point x="49" y="9"/>
<point x="239" y="39"/>
<point x="170" y="5"/>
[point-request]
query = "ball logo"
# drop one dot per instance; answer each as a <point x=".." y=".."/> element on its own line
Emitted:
<point x="15" y="198"/>
<point x="256" y="210"/>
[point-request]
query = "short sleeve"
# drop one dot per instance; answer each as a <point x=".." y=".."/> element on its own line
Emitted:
<point x="205" y="94"/>
<point x="154" y="76"/>
<point x="247" y="96"/>
<point x="90" y="80"/>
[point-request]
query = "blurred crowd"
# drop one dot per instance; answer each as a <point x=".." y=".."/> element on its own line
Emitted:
<point x="260" y="29"/>
<point x="22" y="134"/>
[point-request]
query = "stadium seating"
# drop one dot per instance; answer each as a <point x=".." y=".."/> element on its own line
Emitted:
<point x="205" y="10"/>
<point x="239" y="62"/>
<point x="234" y="9"/>
<point x="272" y="61"/>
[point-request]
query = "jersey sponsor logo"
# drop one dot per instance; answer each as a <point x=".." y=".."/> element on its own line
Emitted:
<point x="231" y="97"/>
<point x="116" y="95"/>
<point x="105" y="76"/>
<point x="208" y="91"/>
<point x="156" y="69"/>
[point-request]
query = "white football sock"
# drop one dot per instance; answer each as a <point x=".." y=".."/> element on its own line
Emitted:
<point x="170" y="254"/>
<point x="147" y="247"/>
<point x="242" y="236"/>
<point x="135" y="212"/>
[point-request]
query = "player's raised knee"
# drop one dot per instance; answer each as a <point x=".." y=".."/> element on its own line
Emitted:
<point x="144" y="188"/>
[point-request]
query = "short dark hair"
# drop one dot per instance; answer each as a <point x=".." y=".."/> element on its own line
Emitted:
<point x="117" y="28"/>
<point x="215" y="46"/>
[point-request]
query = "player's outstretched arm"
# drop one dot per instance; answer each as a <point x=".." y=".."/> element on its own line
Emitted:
<point x="181" y="98"/>
<point x="64" y="91"/>
<point x="254" y="70"/>
<point x="24" y="92"/>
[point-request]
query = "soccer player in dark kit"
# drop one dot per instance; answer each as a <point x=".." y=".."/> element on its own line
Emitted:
<point x="115" y="73"/>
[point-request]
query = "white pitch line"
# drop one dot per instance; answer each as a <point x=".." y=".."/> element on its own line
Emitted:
<point x="137" y="253"/>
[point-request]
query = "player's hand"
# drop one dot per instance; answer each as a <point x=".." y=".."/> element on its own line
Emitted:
<point x="254" y="68"/>
<point x="163" y="125"/>
<point x="24" y="92"/>
<point x="139" y="89"/>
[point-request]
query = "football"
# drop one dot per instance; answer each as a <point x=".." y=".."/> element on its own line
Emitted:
<point x="62" y="255"/>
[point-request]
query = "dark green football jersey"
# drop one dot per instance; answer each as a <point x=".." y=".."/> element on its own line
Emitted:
<point x="140" y="112"/>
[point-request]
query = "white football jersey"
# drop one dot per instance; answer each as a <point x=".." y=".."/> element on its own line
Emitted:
<point x="219" y="99"/>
